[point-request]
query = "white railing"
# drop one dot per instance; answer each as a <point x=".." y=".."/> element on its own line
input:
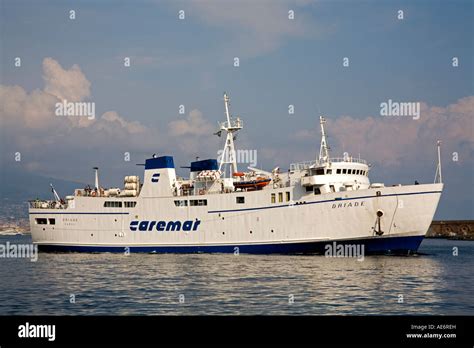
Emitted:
<point x="303" y="165"/>
<point x="349" y="160"/>
<point x="44" y="204"/>
<point x="308" y="164"/>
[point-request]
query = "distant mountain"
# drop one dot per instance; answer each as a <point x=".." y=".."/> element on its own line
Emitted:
<point x="20" y="186"/>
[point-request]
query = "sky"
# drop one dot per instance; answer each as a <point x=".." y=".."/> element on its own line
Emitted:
<point x="341" y="59"/>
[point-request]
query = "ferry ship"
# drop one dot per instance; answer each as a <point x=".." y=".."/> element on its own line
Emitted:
<point x="221" y="209"/>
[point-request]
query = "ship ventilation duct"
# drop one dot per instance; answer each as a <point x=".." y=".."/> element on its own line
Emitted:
<point x="160" y="177"/>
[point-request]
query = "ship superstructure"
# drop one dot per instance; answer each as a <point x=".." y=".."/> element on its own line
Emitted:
<point x="221" y="209"/>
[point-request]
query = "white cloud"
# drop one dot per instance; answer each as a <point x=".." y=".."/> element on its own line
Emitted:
<point x="394" y="141"/>
<point x="194" y="135"/>
<point x="194" y="124"/>
<point x="65" y="84"/>
<point x="29" y="125"/>
<point x="112" y="116"/>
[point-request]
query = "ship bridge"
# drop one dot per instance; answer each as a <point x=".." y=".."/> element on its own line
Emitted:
<point x="327" y="174"/>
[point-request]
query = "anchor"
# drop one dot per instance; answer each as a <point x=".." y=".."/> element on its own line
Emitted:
<point x="378" y="231"/>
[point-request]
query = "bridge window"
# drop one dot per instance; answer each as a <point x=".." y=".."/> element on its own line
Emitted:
<point x="130" y="204"/>
<point x="349" y="171"/>
<point x="198" y="202"/>
<point x="52" y="221"/>
<point x="41" y="221"/>
<point x="181" y="203"/>
<point x="112" y="204"/>
<point x="273" y="198"/>
<point x="344" y="171"/>
<point x="240" y="200"/>
<point x="320" y="171"/>
<point x="338" y="171"/>
<point x="280" y="197"/>
<point x="329" y="171"/>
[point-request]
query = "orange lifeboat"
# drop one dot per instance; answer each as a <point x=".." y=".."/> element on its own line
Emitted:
<point x="256" y="184"/>
<point x="238" y="174"/>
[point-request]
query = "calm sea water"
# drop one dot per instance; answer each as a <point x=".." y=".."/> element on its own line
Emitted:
<point x="435" y="282"/>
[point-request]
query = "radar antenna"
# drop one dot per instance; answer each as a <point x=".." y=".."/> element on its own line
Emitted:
<point x="324" y="150"/>
<point x="231" y="126"/>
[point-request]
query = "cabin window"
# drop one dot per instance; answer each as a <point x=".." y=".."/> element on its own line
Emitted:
<point x="130" y="204"/>
<point x="338" y="171"/>
<point x="349" y="171"/>
<point x="344" y="171"/>
<point x="112" y="204"/>
<point x="317" y="191"/>
<point x="41" y="221"/>
<point x="273" y="198"/>
<point x="280" y="197"/>
<point x="287" y="196"/>
<point x="329" y="171"/>
<point x="181" y="203"/>
<point x="52" y="221"/>
<point x="198" y="202"/>
<point x="332" y="188"/>
<point x="240" y="200"/>
<point x="320" y="171"/>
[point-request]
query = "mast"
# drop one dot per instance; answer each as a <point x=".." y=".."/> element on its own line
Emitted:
<point x="438" y="174"/>
<point x="96" y="169"/>
<point x="231" y="126"/>
<point x="324" y="149"/>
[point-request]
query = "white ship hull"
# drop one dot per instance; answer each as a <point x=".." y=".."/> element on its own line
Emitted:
<point x="304" y="225"/>
<point x="219" y="209"/>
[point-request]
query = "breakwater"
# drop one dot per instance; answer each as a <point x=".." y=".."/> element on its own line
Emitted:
<point x="452" y="229"/>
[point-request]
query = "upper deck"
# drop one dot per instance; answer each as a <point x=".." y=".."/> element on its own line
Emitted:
<point x="316" y="163"/>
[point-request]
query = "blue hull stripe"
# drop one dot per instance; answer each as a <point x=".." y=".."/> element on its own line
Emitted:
<point x="325" y="201"/>
<point x="376" y="245"/>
